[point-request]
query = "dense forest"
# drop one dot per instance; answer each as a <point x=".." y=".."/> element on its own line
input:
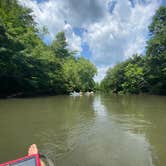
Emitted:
<point x="142" y="73"/>
<point x="28" y="66"/>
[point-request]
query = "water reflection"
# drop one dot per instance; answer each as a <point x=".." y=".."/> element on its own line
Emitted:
<point x="142" y="116"/>
<point x="121" y="132"/>
<point x="89" y="130"/>
<point x="99" y="108"/>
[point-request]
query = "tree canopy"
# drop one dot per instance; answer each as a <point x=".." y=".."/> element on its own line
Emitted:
<point x="28" y="66"/>
<point x="143" y="73"/>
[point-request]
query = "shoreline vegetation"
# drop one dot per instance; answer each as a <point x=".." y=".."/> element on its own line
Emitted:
<point x="142" y="73"/>
<point x="30" y="67"/>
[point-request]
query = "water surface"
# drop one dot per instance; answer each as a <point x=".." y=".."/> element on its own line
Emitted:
<point x="95" y="130"/>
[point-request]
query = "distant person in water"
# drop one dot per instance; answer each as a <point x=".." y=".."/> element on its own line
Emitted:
<point x="34" y="150"/>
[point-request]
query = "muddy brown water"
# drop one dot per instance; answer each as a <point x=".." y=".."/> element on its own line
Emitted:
<point x="97" y="130"/>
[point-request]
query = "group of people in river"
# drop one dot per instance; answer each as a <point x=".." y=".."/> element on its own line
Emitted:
<point x="88" y="93"/>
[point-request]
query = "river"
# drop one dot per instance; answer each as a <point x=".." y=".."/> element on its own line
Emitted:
<point x="97" y="130"/>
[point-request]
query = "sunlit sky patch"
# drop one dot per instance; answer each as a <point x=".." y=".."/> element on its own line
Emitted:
<point x="104" y="31"/>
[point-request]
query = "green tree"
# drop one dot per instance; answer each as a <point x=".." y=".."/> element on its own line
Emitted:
<point x="79" y="74"/>
<point x="86" y="72"/>
<point x="143" y="73"/>
<point x="114" y="79"/>
<point x="133" y="78"/>
<point x="73" y="82"/>
<point x="126" y="77"/>
<point x="156" y="53"/>
<point x="59" y="46"/>
<point x="28" y="66"/>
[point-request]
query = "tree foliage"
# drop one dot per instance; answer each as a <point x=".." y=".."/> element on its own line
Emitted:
<point x="28" y="66"/>
<point x="143" y="73"/>
<point x="156" y="53"/>
<point x="126" y="77"/>
<point x="79" y="74"/>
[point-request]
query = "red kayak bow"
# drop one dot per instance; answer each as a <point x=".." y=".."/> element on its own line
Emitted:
<point x="32" y="160"/>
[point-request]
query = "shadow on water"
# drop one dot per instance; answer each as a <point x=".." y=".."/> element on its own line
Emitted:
<point x="89" y="130"/>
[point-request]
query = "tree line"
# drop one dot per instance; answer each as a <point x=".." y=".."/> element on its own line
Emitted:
<point x="28" y="66"/>
<point x="142" y="74"/>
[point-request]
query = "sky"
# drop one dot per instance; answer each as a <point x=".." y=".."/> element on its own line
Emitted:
<point x="104" y="31"/>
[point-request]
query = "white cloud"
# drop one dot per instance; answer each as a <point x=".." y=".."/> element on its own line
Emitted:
<point x="120" y="35"/>
<point x="114" y="31"/>
<point x="53" y="14"/>
<point x="73" y="40"/>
